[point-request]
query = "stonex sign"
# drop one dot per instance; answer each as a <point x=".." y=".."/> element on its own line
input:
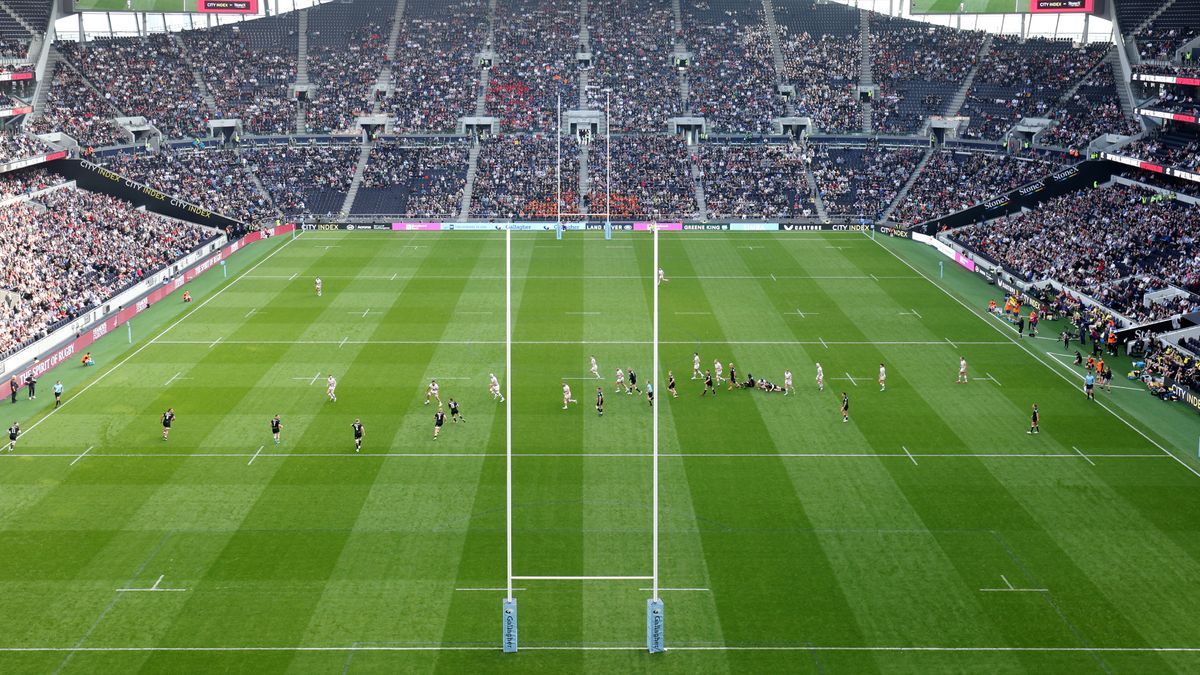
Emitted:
<point x="66" y="352"/>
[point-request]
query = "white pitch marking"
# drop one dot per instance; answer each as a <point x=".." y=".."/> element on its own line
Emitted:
<point x="773" y="277"/>
<point x="626" y="648"/>
<point x="1089" y="459"/>
<point x="951" y="343"/>
<point x="395" y="275"/>
<point x="343" y="342"/>
<point x="450" y="378"/>
<point x="328" y="246"/>
<point x="915" y="313"/>
<point x="1009" y="588"/>
<point x="1067" y="358"/>
<point x="851" y="378"/>
<point x="914" y="459"/>
<point x="634" y="455"/>
<point x="81" y="455"/>
<point x="153" y="588"/>
<point x="580" y="578"/>
<point x="498" y="590"/>
<point x="250" y="313"/>
<point x="260" y="449"/>
<point x="820" y="341"/>
<point x="215" y="342"/>
<point x="703" y="590"/>
<point x="583" y="313"/>
<point x="173" y="378"/>
<point x="693" y="313"/>
<point x="314" y="379"/>
<point x="478" y="312"/>
<point x="293" y="277"/>
<point x="875" y="277"/>
<point x="751" y="248"/>
<point x="989" y="377"/>
<point x="365" y="313"/>
<point x="823" y="343"/>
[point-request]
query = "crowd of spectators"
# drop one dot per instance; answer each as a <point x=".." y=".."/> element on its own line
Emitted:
<point x="346" y="51"/>
<point x="25" y="182"/>
<point x="755" y="181"/>
<point x="145" y="77"/>
<point x="651" y="178"/>
<point x="217" y="180"/>
<point x="73" y="250"/>
<point x="536" y="46"/>
<point x="413" y="180"/>
<point x="1179" y="150"/>
<point x="823" y="69"/>
<point x="15" y="145"/>
<point x="952" y="181"/>
<point x="732" y="76"/>
<point x="74" y="109"/>
<point x="919" y="68"/>
<point x="1089" y="239"/>
<point x="516" y="178"/>
<point x="1178" y="102"/>
<point x="1019" y="79"/>
<point x="1161" y="43"/>
<point x="13" y="49"/>
<point x="1171" y="363"/>
<point x="631" y="56"/>
<point x="862" y="183"/>
<point x="304" y="179"/>
<point x="247" y="71"/>
<point x="435" y="55"/>
<point x="1091" y="111"/>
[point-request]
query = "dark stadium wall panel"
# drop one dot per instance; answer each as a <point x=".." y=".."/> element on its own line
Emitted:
<point x="1084" y="174"/>
<point x="95" y="178"/>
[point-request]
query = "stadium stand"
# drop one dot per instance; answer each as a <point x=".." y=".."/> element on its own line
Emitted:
<point x="821" y="56"/>
<point x="413" y="180"/>
<point x="217" y="180"/>
<point x="71" y="250"/>
<point x="651" y="178"/>
<point x="954" y="180"/>
<point x="345" y="50"/>
<point x="747" y="181"/>
<point x="862" y="182"/>
<point x="517" y="179"/>
<point x="15" y="145"/>
<point x="74" y="109"/>
<point x="631" y="46"/>
<point x="536" y="46"/>
<point x="309" y="179"/>
<point x="1112" y="244"/>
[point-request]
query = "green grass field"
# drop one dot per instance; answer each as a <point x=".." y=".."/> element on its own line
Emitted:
<point x="968" y="6"/>
<point x="929" y="534"/>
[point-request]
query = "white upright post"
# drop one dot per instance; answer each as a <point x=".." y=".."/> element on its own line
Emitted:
<point x="509" y="615"/>
<point x="655" y="641"/>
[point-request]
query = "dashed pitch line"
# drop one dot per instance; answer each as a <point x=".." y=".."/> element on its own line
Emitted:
<point x="1009" y="588"/>
<point x="343" y="342"/>
<point x="438" y="647"/>
<point x="949" y="342"/>
<point x="173" y="378"/>
<point x="851" y="378"/>
<point x="260" y="449"/>
<point x="153" y="589"/>
<point x="81" y="455"/>
<point x="993" y="379"/>
<point x="1088" y="459"/>
<point x="913" y="459"/>
<point x="214" y="343"/>
<point x="581" y="578"/>
<point x="251" y="313"/>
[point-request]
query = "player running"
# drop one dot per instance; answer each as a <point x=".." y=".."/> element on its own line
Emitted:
<point x="494" y="387"/>
<point x="718" y="370"/>
<point x="595" y="369"/>
<point x="962" y="370"/>
<point x="787" y="383"/>
<point x="632" y="383"/>
<point x="439" y="418"/>
<point x="600" y="401"/>
<point x="845" y="407"/>
<point x="317" y="283"/>
<point x="820" y="378"/>
<point x="621" y="382"/>
<point x="13" y="432"/>
<point x="882" y="377"/>
<point x="433" y="393"/>
<point x="567" y="400"/>
<point x="708" y="384"/>
<point x="455" y="415"/>
<point x="1034" y="418"/>
<point x="358" y="434"/>
<point x="276" y="427"/>
<point x="331" y="388"/>
<point x="662" y="279"/>
<point x="167" y="418"/>
<point x="671" y="384"/>
<point x="696" y="366"/>
<point x="58" y="389"/>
